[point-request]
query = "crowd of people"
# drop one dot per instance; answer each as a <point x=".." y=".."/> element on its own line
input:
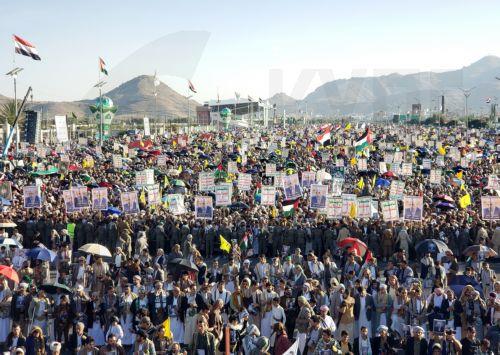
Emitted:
<point x="298" y="283"/>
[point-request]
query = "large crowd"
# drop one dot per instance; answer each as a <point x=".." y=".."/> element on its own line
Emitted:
<point x="253" y="279"/>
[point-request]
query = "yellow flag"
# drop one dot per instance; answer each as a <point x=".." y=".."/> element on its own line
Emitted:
<point x="352" y="211"/>
<point x="460" y="175"/>
<point x="354" y="161"/>
<point x="442" y="151"/>
<point x="465" y="201"/>
<point x="361" y="183"/>
<point x="165" y="181"/>
<point x="462" y="186"/>
<point x="238" y="159"/>
<point x="142" y="197"/>
<point x="374" y="181"/>
<point x="166" y="329"/>
<point x="205" y="163"/>
<point x="348" y="127"/>
<point x="179" y="169"/>
<point x="274" y="212"/>
<point x="224" y="244"/>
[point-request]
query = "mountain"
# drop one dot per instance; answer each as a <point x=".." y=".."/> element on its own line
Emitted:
<point x="395" y="92"/>
<point x="134" y="97"/>
<point x="284" y="102"/>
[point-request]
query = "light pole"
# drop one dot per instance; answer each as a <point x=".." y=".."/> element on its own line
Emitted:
<point x="13" y="73"/>
<point x="189" y="113"/>
<point x="156" y="83"/>
<point x="467" y="93"/>
<point x="99" y="85"/>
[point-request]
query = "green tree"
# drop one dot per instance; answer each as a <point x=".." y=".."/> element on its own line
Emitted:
<point x="8" y="112"/>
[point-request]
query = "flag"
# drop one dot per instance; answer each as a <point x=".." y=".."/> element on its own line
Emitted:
<point x="374" y="181"/>
<point x="289" y="207"/>
<point x="142" y="197"/>
<point x="361" y="183"/>
<point x="244" y="242"/>
<point x="460" y="175"/>
<point x="352" y="211"/>
<point x="25" y="48"/>
<point x="354" y="161"/>
<point x="260" y="100"/>
<point x="224" y="244"/>
<point x="324" y="135"/>
<point x="442" y="151"/>
<point x="250" y="98"/>
<point x="191" y="86"/>
<point x="488" y="100"/>
<point x="363" y="141"/>
<point x="465" y="201"/>
<point x="167" y="332"/>
<point x="347" y="127"/>
<point x="102" y="66"/>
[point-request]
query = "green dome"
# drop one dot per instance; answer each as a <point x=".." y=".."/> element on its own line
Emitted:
<point x="106" y="102"/>
<point x="225" y="112"/>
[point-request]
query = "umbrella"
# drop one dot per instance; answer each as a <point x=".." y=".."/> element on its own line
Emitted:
<point x="444" y="198"/>
<point x="445" y="205"/>
<point x="7" y="224"/>
<point x="239" y="206"/>
<point x="184" y="264"/>
<point x="95" y="249"/>
<point x="113" y="210"/>
<point x="9" y="273"/>
<point x="355" y="244"/>
<point x="458" y="283"/>
<point x="389" y="174"/>
<point x="178" y="182"/>
<point x="41" y="253"/>
<point x="382" y="182"/>
<point x="480" y="249"/>
<point x="11" y="242"/>
<point x="5" y="202"/>
<point x="432" y="246"/>
<point x="51" y="288"/>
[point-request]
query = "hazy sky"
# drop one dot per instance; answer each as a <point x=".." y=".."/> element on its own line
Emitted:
<point x="251" y="45"/>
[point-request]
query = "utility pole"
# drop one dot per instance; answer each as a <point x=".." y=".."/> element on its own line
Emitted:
<point x="467" y="93"/>
<point x="99" y="85"/>
<point x="13" y="73"/>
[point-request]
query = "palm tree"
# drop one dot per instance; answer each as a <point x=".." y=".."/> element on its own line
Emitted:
<point x="8" y="112"/>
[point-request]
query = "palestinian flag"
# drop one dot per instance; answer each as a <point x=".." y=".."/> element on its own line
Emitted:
<point x="24" y="47"/>
<point x="244" y="242"/>
<point x="289" y="207"/>
<point x="102" y="66"/>
<point x="191" y="86"/>
<point x="363" y="141"/>
<point x="324" y="135"/>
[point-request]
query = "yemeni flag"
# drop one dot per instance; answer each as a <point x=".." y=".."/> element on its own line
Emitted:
<point x="102" y="66"/>
<point x="289" y="207"/>
<point x="24" y="47"/>
<point x="324" y="135"/>
<point x="191" y="87"/>
<point x="363" y="141"/>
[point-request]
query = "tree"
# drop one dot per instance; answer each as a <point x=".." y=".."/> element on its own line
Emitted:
<point x="8" y="112"/>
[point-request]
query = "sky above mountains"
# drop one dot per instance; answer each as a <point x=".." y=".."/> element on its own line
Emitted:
<point x="257" y="48"/>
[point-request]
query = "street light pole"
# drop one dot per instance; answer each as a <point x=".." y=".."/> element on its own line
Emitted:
<point x="13" y="73"/>
<point x="99" y="85"/>
<point x="467" y="93"/>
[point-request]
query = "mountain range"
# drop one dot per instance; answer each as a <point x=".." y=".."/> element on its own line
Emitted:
<point x="134" y="97"/>
<point x="358" y="95"/>
<point x="396" y="92"/>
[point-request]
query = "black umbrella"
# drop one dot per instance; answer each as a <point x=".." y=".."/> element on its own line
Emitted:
<point x="184" y="264"/>
<point x="433" y="246"/>
<point x="51" y="288"/>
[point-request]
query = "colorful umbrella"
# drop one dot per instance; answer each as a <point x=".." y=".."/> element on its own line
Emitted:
<point x="480" y="249"/>
<point x="355" y="244"/>
<point x="433" y="246"/>
<point x="41" y="253"/>
<point x="9" y="273"/>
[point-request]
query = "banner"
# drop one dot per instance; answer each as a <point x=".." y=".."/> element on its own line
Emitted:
<point x="223" y="193"/>
<point x="349" y="205"/>
<point x="270" y="169"/>
<point x="337" y="185"/>
<point x="130" y="202"/>
<point x="268" y="196"/>
<point x="176" y="204"/>
<point x="61" y="129"/>
<point x="32" y="197"/>
<point x="206" y="182"/>
<point x="161" y="160"/>
<point x="100" y="199"/>
<point x="154" y="197"/>
<point x="435" y="176"/>
<point x="397" y="190"/>
<point x="6" y="190"/>
<point x="278" y="179"/>
<point x="292" y="187"/>
<point x="426" y="164"/>
<point x="413" y="207"/>
<point x="147" y="130"/>
<point x="382" y="167"/>
<point x="490" y="208"/>
<point x="145" y="178"/>
<point x="334" y="207"/>
<point x="440" y="161"/>
<point x="407" y="169"/>
<point x="308" y="178"/>
<point x="493" y="182"/>
<point x="117" y="161"/>
<point x="362" y="164"/>
<point x="80" y="197"/>
<point x="69" y="203"/>
<point x="364" y="209"/>
<point x="203" y="207"/>
<point x="398" y="157"/>
<point x="318" y="196"/>
<point x="390" y="211"/>
<point x="244" y="182"/>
